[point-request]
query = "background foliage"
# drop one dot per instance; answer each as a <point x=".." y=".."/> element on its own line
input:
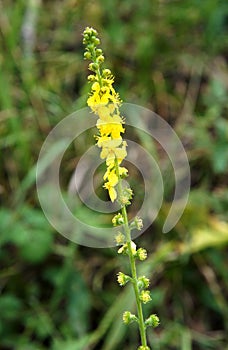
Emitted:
<point x="169" y="56"/>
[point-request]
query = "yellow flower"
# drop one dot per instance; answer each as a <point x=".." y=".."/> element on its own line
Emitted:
<point x="110" y="127"/>
<point x="111" y="151"/>
<point x="123" y="171"/>
<point x="113" y="178"/>
<point x="111" y="183"/>
<point x="103" y="112"/>
<point x="111" y="190"/>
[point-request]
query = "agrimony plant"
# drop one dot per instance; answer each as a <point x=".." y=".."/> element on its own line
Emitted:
<point x="105" y="102"/>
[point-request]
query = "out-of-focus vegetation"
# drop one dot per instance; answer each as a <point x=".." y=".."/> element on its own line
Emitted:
<point x="169" y="56"/>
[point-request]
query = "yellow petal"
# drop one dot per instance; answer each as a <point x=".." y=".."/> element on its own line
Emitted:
<point x="112" y="194"/>
<point x="112" y="178"/>
<point x="96" y="87"/>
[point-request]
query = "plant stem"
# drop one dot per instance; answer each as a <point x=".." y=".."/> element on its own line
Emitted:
<point x="127" y="231"/>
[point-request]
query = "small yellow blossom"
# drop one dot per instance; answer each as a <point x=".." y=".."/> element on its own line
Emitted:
<point x="111" y="190"/>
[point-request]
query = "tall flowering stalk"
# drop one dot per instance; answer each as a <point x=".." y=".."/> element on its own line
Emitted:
<point x="104" y="101"/>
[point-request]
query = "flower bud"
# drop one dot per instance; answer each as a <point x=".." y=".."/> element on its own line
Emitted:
<point x="93" y="67"/>
<point x="98" y="52"/>
<point x="152" y="321"/>
<point x="100" y="59"/>
<point x="106" y="72"/>
<point x="90" y="31"/>
<point x="96" y="41"/>
<point x="90" y="47"/>
<point x="91" y="78"/>
<point x="87" y="55"/>
<point x="144" y="348"/>
<point x="85" y="39"/>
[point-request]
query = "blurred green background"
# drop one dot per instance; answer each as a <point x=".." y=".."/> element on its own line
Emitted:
<point x="168" y="56"/>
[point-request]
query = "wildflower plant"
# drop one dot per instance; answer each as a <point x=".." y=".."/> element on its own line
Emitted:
<point x="105" y="102"/>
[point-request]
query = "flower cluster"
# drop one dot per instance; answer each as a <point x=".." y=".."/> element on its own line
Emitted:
<point x="105" y="102"/>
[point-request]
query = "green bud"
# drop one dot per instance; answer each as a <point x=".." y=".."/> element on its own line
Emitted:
<point x="89" y="31"/>
<point x="100" y="59"/>
<point x="93" y="67"/>
<point x="90" y="47"/>
<point x="106" y="72"/>
<point x="87" y="55"/>
<point x="97" y="41"/>
<point x="99" y="52"/>
<point x="91" y="78"/>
